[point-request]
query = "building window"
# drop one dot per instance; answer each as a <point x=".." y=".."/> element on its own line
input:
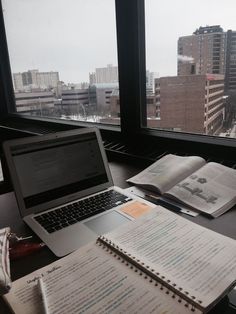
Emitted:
<point x="63" y="57"/>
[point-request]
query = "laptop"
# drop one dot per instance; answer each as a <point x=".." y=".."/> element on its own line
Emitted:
<point x="64" y="188"/>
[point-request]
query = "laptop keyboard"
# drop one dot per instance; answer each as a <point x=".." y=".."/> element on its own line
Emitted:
<point x="80" y="210"/>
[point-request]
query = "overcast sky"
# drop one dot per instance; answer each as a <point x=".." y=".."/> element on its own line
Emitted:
<point x="74" y="37"/>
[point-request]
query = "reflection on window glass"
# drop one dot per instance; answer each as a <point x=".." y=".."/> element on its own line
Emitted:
<point x="191" y="62"/>
<point x="63" y="56"/>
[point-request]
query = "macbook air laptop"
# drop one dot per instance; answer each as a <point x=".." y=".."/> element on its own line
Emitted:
<point x="64" y="187"/>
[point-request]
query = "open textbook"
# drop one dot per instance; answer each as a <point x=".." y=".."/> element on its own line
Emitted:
<point x="160" y="263"/>
<point x="206" y="187"/>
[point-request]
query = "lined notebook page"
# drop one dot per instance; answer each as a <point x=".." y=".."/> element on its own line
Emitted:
<point x="92" y="280"/>
<point x="202" y="263"/>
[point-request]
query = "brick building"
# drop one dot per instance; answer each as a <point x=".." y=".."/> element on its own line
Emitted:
<point x="191" y="103"/>
<point x="205" y="48"/>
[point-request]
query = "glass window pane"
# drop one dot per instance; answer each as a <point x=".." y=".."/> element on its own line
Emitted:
<point x="191" y="66"/>
<point x="63" y="56"/>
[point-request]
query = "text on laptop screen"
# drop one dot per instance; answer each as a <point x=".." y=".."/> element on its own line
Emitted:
<point x="53" y="169"/>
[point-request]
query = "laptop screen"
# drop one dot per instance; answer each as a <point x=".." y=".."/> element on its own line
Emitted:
<point x="51" y="169"/>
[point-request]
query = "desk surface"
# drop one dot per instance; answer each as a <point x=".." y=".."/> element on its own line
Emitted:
<point x="9" y="216"/>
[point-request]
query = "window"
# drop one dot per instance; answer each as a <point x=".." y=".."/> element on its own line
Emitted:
<point x="137" y="105"/>
<point x="63" y="57"/>
<point x="186" y="51"/>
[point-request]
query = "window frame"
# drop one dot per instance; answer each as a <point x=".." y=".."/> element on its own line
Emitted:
<point x="6" y="87"/>
<point x="130" y="22"/>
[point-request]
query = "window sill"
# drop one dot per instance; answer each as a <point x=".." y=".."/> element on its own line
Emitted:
<point x="147" y="145"/>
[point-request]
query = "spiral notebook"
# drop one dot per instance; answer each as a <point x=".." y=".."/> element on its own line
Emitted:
<point x="160" y="263"/>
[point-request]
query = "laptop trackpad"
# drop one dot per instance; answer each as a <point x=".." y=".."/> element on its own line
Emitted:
<point x="106" y="222"/>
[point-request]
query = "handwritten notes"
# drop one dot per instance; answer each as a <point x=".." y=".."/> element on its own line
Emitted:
<point x="91" y="280"/>
<point x="194" y="258"/>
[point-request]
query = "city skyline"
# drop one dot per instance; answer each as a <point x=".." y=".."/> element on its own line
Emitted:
<point x="69" y="41"/>
<point x="74" y="44"/>
<point x="169" y="106"/>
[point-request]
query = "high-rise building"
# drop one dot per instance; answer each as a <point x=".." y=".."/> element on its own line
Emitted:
<point x="47" y="79"/>
<point x="18" y="81"/>
<point x="29" y="78"/>
<point x="210" y="50"/>
<point x="230" y="73"/>
<point x="191" y="103"/>
<point x="33" y="79"/>
<point x="150" y="78"/>
<point x="105" y="75"/>
<point x="24" y="80"/>
<point x="108" y="74"/>
<point x="92" y="78"/>
<point x="202" y="52"/>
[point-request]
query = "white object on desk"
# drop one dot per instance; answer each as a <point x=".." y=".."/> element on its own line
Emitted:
<point x="142" y="192"/>
<point x="43" y="295"/>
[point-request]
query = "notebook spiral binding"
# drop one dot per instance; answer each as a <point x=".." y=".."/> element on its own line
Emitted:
<point x="140" y="268"/>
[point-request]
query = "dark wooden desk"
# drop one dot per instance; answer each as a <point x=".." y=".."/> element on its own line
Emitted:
<point x="9" y="216"/>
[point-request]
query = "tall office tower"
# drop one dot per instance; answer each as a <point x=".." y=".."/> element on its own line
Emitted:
<point x="29" y="78"/>
<point x="25" y="81"/>
<point x="92" y="78"/>
<point x="150" y="78"/>
<point x="230" y="73"/>
<point x="18" y="82"/>
<point x="107" y="75"/>
<point x="47" y="79"/>
<point x="191" y="103"/>
<point x="202" y="52"/>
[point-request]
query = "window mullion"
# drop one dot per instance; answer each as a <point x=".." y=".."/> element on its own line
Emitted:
<point x="131" y="60"/>
<point x="7" y="103"/>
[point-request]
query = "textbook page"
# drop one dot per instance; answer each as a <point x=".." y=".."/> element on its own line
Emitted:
<point x="211" y="189"/>
<point x="198" y="262"/>
<point x="167" y="171"/>
<point x="91" y="280"/>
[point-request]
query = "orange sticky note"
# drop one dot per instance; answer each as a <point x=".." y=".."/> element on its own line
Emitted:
<point x="136" y="209"/>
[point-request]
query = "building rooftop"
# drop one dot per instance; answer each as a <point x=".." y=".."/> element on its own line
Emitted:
<point x="208" y="29"/>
